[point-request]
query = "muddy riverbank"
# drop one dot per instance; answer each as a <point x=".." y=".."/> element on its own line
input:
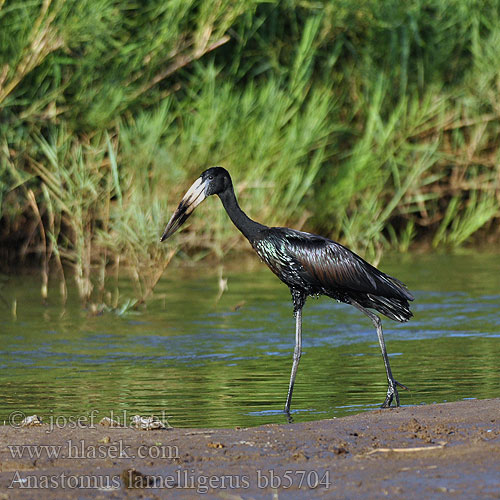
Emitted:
<point x="442" y="450"/>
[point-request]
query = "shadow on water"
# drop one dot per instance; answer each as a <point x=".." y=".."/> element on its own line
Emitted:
<point x="227" y="365"/>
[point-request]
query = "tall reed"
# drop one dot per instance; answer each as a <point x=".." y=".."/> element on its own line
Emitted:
<point x="376" y="124"/>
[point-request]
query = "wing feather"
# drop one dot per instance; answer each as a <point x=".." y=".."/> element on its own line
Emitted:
<point x="329" y="265"/>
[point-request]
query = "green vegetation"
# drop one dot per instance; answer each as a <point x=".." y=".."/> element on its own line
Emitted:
<point x="373" y="122"/>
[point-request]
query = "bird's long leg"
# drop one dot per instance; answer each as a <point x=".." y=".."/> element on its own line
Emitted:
<point x="392" y="391"/>
<point x="296" y="356"/>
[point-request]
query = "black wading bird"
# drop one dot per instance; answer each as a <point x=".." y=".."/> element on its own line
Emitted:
<point x="309" y="265"/>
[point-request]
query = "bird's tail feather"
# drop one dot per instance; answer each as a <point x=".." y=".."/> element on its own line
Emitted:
<point x="396" y="309"/>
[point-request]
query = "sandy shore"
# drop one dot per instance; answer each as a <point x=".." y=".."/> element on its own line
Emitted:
<point x="434" y="451"/>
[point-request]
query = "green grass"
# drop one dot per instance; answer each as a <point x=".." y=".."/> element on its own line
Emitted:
<point x="375" y="123"/>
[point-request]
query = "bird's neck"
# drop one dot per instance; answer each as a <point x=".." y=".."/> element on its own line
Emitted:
<point x="247" y="226"/>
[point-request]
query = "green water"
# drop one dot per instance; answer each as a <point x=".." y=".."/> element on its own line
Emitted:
<point x="203" y="364"/>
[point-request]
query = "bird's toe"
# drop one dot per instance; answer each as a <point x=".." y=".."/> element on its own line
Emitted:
<point x="392" y="393"/>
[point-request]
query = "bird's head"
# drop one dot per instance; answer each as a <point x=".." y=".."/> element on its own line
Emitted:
<point x="215" y="180"/>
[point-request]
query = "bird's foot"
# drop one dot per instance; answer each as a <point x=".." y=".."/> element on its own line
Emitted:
<point x="392" y="393"/>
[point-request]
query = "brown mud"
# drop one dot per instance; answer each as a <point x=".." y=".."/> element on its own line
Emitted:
<point x="449" y="450"/>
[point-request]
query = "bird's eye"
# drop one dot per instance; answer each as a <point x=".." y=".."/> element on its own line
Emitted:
<point x="210" y="177"/>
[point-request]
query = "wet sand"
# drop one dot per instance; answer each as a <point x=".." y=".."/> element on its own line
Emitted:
<point x="449" y="450"/>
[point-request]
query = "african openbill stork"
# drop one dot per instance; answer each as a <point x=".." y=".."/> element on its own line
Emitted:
<point x="309" y="265"/>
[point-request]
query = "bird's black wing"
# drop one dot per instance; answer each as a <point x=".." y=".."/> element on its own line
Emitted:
<point x="328" y="265"/>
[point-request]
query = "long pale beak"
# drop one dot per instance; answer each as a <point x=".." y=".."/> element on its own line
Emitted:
<point x="194" y="196"/>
